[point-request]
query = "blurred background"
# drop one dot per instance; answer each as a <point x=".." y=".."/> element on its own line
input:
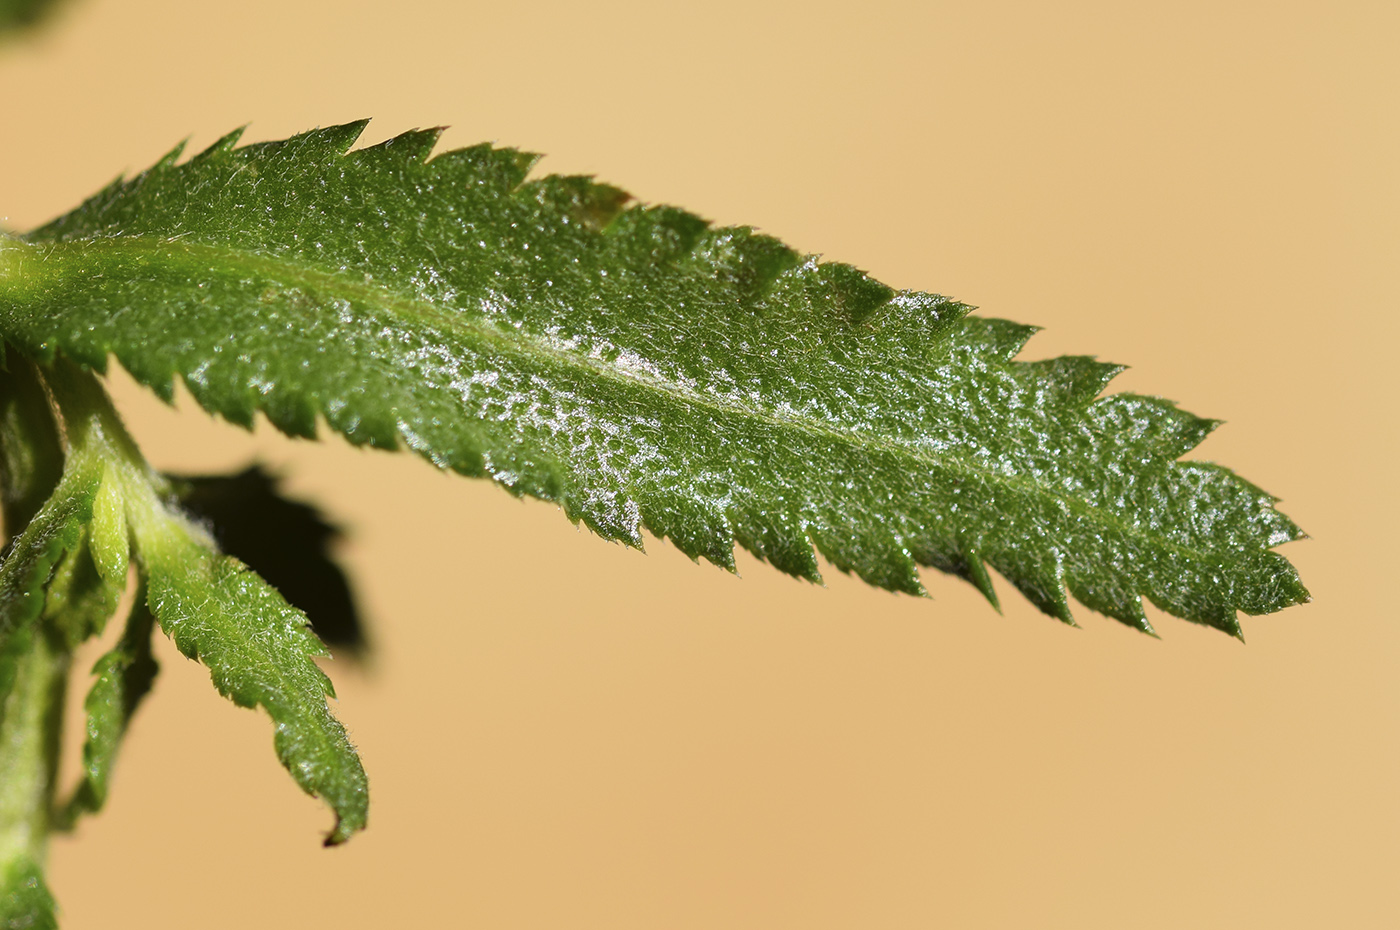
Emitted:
<point x="564" y="733"/>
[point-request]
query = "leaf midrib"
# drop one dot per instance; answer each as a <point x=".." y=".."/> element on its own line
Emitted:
<point x="513" y="341"/>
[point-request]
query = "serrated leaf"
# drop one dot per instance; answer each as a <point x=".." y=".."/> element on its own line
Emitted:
<point x="644" y="370"/>
<point x="259" y="652"/>
<point x="124" y="675"/>
<point x="285" y="541"/>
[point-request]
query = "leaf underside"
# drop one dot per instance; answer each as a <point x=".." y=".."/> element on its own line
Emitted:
<point x="643" y="369"/>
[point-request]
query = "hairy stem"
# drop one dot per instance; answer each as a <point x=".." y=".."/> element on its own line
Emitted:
<point x="29" y="743"/>
<point x="94" y="427"/>
<point x="34" y="658"/>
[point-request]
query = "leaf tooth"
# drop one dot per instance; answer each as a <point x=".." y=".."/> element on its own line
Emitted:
<point x="897" y="571"/>
<point x="656" y="235"/>
<point x="778" y="539"/>
<point x="1230" y="624"/>
<point x="327" y="140"/>
<point x="1112" y="600"/>
<point x="221" y="147"/>
<point x="151" y="371"/>
<point x="363" y="425"/>
<point x="170" y="158"/>
<point x="88" y="354"/>
<point x="293" y="412"/>
<point x="977" y="573"/>
<point x="1212" y="503"/>
<point x="413" y="147"/>
<point x="881" y="561"/>
<point x="1268" y="582"/>
<point x="745" y="260"/>
<point x="927" y="317"/>
<point x="845" y="289"/>
<point x="1039" y="576"/>
<point x="1150" y="426"/>
<point x="1216" y="614"/>
<point x="238" y="405"/>
<point x="962" y="560"/>
<point x="694" y="526"/>
<point x="992" y="339"/>
<point x="577" y="199"/>
<point x="486" y="166"/>
<point x="610" y="512"/>
<point x="1074" y="380"/>
<point x="1211" y="593"/>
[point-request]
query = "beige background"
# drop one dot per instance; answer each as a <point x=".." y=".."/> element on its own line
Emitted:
<point x="564" y="733"/>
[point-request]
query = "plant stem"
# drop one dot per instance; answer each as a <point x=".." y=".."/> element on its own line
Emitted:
<point x="34" y="658"/>
<point x="29" y="743"/>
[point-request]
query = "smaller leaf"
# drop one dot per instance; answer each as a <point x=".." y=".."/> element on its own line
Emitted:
<point x="31" y="447"/>
<point x="259" y="651"/>
<point x="124" y="677"/>
<point x="55" y="530"/>
<point x="25" y="901"/>
<point x="78" y="600"/>
<point x="108" y="538"/>
<point x="258" y="648"/>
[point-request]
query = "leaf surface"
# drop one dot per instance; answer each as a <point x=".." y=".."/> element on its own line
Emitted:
<point x="259" y="651"/>
<point x="55" y="531"/>
<point x="643" y="369"/>
<point x="124" y="675"/>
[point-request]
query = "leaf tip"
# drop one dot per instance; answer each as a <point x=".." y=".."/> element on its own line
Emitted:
<point x="345" y="828"/>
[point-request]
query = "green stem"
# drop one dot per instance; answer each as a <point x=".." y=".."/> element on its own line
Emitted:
<point x="92" y="421"/>
<point x="34" y="657"/>
<point x="31" y="462"/>
<point x="29" y="743"/>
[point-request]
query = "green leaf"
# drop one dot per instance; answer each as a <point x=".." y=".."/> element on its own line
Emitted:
<point x="285" y="541"/>
<point x="79" y="600"/>
<point x="56" y="530"/>
<point x="25" y="901"/>
<point x="259" y="652"/>
<point x="31" y="448"/>
<point x="124" y="676"/>
<point x="644" y="370"/>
